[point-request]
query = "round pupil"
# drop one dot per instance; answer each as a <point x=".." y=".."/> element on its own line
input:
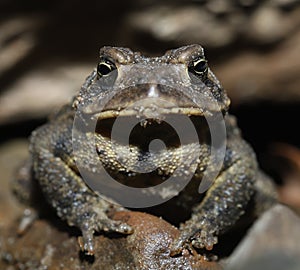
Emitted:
<point x="104" y="68"/>
<point x="200" y="66"/>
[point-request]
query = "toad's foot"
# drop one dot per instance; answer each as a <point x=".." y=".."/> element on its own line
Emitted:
<point x="200" y="239"/>
<point x="98" y="221"/>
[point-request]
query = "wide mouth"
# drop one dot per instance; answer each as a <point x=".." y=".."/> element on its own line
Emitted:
<point x="172" y="126"/>
<point x="151" y="111"/>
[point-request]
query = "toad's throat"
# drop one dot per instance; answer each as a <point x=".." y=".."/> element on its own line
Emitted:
<point x="160" y="147"/>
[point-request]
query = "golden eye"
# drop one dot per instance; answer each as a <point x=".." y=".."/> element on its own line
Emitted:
<point x="105" y="67"/>
<point x="199" y="66"/>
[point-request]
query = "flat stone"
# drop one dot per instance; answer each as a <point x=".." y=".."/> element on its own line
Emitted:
<point x="273" y="243"/>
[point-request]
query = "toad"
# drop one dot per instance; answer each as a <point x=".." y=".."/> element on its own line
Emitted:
<point x="56" y="167"/>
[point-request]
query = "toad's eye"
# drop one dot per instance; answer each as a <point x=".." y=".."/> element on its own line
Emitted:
<point x="199" y="67"/>
<point x="105" y="67"/>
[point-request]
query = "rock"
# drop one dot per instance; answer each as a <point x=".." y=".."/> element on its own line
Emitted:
<point x="51" y="247"/>
<point x="272" y="243"/>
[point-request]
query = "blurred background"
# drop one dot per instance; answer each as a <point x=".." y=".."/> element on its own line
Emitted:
<point x="47" y="48"/>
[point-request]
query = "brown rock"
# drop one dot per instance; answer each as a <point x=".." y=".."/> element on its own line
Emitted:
<point x="51" y="247"/>
<point x="150" y="244"/>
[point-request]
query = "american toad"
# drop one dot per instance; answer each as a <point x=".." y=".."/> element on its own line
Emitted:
<point x="55" y="165"/>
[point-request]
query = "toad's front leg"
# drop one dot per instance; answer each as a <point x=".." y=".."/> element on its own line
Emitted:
<point x="223" y="204"/>
<point x="65" y="190"/>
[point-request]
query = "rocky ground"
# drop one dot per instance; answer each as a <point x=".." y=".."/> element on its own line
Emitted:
<point x="46" y="51"/>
